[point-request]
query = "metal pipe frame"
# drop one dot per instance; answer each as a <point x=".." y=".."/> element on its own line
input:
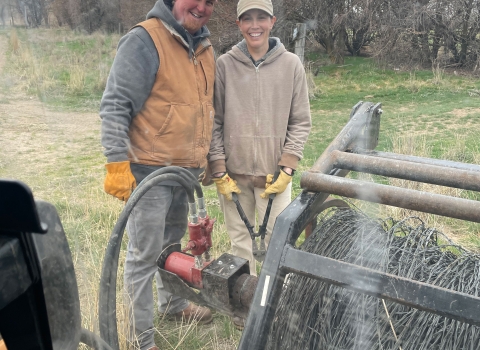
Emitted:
<point x="324" y="178"/>
<point x="426" y="202"/>
<point x="421" y="160"/>
<point x="407" y="170"/>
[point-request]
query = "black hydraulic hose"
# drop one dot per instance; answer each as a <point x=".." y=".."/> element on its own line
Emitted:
<point x="107" y="313"/>
<point x="93" y="341"/>
<point x="184" y="173"/>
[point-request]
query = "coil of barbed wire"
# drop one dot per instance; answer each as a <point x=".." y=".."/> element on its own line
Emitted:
<point x="312" y="314"/>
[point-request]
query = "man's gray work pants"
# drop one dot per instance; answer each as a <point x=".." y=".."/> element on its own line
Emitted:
<point x="158" y="220"/>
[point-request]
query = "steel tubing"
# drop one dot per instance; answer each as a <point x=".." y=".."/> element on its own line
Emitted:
<point x="427" y="173"/>
<point x="421" y="160"/>
<point x="426" y="202"/>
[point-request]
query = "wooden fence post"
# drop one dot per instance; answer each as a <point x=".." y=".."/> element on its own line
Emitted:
<point x="299" y="37"/>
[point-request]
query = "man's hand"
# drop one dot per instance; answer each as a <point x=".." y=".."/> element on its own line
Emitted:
<point x="278" y="186"/>
<point x="226" y="186"/>
<point x="119" y="181"/>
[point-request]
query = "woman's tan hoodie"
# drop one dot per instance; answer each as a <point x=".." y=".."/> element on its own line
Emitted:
<point x="262" y="114"/>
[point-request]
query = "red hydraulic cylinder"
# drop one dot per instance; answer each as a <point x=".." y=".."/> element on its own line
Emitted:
<point x="183" y="265"/>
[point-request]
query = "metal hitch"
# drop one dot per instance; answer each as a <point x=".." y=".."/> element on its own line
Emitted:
<point x="224" y="284"/>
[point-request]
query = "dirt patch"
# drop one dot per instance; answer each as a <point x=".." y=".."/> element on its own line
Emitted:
<point x="404" y="109"/>
<point x="30" y="133"/>
<point x="460" y="113"/>
<point x="33" y="137"/>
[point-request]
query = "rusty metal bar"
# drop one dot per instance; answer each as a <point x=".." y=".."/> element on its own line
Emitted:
<point x="427" y="173"/>
<point x="421" y="160"/>
<point x="426" y="202"/>
<point x="444" y="302"/>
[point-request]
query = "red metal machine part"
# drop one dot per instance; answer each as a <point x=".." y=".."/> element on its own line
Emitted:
<point x="200" y="234"/>
<point x="189" y="267"/>
<point x="224" y="284"/>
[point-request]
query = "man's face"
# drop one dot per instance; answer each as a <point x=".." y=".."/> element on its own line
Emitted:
<point x="193" y="14"/>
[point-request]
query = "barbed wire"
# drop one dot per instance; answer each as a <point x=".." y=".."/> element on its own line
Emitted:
<point x="315" y="315"/>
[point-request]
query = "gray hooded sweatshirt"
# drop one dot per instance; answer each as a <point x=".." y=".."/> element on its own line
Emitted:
<point x="131" y="79"/>
<point x="262" y="113"/>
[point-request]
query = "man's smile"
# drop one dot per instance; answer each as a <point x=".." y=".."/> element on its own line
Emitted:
<point x="195" y="15"/>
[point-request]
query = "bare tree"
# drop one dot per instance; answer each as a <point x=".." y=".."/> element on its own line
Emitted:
<point x="359" y="18"/>
<point x="32" y="10"/>
<point x="133" y="12"/>
<point x="3" y="11"/>
<point x="425" y="28"/>
<point x="327" y="20"/>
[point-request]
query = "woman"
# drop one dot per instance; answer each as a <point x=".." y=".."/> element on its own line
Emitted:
<point x="262" y="121"/>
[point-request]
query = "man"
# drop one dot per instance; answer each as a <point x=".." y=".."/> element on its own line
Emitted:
<point x="157" y="111"/>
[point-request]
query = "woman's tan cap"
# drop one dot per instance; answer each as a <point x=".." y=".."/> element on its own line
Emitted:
<point x="245" y="5"/>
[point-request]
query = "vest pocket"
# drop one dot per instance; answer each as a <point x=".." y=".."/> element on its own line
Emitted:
<point x="207" y="77"/>
<point x="176" y="138"/>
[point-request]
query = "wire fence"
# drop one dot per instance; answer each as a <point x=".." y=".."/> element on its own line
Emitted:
<point x="315" y="315"/>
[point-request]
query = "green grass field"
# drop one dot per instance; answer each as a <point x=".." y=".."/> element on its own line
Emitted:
<point x="54" y="145"/>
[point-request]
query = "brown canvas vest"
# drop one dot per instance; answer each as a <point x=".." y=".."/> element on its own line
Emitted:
<point x="174" y="126"/>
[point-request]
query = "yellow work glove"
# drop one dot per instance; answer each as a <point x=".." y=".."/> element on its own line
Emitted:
<point x="119" y="181"/>
<point x="278" y="186"/>
<point x="225" y="185"/>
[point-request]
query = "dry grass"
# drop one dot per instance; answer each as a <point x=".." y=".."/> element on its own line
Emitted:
<point x="76" y="83"/>
<point x="56" y="64"/>
<point x="14" y="42"/>
<point x="438" y="73"/>
<point x="313" y="89"/>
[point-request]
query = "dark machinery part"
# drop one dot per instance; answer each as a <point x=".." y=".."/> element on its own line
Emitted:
<point x="226" y="283"/>
<point x="37" y="317"/>
<point x="39" y="303"/>
<point x="352" y="149"/>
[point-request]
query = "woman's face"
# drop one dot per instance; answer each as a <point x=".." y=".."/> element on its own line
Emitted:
<point x="255" y="26"/>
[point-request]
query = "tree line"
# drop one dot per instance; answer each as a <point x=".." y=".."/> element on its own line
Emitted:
<point x="400" y="31"/>
<point x="395" y="31"/>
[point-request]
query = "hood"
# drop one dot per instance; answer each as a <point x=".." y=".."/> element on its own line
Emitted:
<point x="240" y="52"/>
<point x="163" y="10"/>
